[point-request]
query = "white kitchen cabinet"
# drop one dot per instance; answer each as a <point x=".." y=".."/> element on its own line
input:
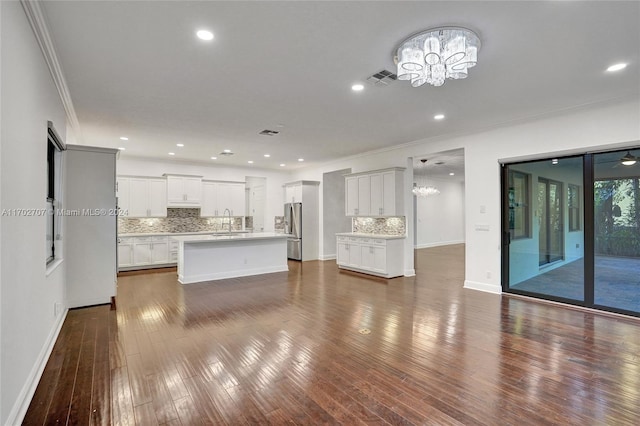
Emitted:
<point x="383" y="194"/>
<point x="157" y="201"/>
<point x="184" y="191"/>
<point x="143" y="251"/>
<point x="293" y="192"/>
<point x="173" y="251"/>
<point x="218" y="196"/>
<point x="122" y="194"/>
<point x="377" y="193"/>
<point x="125" y="252"/>
<point x="376" y="256"/>
<point x="351" y="196"/>
<point x="373" y="257"/>
<point x="159" y="250"/>
<point x="142" y="196"/>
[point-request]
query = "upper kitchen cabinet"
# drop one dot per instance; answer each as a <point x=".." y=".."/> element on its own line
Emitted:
<point x="293" y="192"/>
<point x="217" y="197"/>
<point x="184" y="191"/>
<point x="142" y="196"/>
<point x="375" y="193"/>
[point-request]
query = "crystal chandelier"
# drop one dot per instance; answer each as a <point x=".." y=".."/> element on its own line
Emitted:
<point x="424" y="191"/>
<point x="434" y="55"/>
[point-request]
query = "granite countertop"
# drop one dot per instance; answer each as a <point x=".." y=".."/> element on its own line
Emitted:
<point x="229" y="237"/>
<point x="379" y="236"/>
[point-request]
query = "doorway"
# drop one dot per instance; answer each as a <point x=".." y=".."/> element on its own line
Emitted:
<point x="551" y="233"/>
<point x="438" y="199"/>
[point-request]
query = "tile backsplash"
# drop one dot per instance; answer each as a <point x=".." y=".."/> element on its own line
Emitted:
<point x="177" y="220"/>
<point x="379" y="225"/>
<point x="278" y="223"/>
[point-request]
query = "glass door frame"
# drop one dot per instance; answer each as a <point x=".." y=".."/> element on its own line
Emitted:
<point x="587" y="204"/>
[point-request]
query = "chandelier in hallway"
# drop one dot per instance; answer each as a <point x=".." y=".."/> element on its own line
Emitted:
<point x="420" y="187"/>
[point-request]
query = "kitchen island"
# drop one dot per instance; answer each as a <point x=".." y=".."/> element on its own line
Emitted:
<point x="219" y="256"/>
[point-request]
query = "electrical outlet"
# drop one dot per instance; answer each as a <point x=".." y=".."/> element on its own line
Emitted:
<point x="488" y="275"/>
<point x="57" y="308"/>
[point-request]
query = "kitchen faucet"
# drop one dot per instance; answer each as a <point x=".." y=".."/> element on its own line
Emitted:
<point x="224" y="215"/>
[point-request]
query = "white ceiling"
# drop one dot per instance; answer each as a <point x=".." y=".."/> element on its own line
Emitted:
<point x="440" y="165"/>
<point x="136" y="69"/>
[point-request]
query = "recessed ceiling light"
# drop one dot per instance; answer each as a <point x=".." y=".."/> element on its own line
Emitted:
<point x="214" y="158"/>
<point x="121" y="149"/>
<point x="282" y="165"/>
<point x="172" y="153"/>
<point x="617" y="67"/>
<point x="300" y="159"/>
<point x="226" y="150"/>
<point x="452" y="174"/>
<point x="124" y="138"/>
<point x="438" y="117"/>
<point x="357" y="87"/>
<point x="250" y="161"/>
<point x="180" y="145"/>
<point x="204" y="35"/>
<point x="267" y="155"/>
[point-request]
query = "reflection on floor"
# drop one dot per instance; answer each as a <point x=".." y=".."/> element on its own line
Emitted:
<point x="617" y="282"/>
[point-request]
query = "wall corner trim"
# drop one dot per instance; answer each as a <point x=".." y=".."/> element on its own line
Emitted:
<point x="487" y="288"/>
<point x="20" y="407"/>
<point x="38" y="22"/>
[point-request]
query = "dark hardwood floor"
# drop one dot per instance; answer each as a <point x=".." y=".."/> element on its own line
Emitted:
<point x="286" y="348"/>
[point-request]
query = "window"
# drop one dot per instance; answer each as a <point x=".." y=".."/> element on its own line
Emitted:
<point x="519" y="204"/>
<point x="54" y="146"/>
<point x="573" y="203"/>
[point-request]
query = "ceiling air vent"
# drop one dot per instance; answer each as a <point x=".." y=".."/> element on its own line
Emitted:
<point x="268" y="132"/>
<point x="382" y="78"/>
<point x="226" y="153"/>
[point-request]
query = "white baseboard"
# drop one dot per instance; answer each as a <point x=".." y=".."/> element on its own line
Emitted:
<point x="438" y="244"/>
<point x="328" y="257"/>
<point x="487" y="288"/>
<point x="19" y="410"/>
<point x="409" y="272"/>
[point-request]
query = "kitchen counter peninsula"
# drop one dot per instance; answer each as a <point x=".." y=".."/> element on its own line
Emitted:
<point x="219" y="256"/>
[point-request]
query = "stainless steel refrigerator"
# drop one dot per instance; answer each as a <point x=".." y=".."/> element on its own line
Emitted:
<point x="293" y="226"/>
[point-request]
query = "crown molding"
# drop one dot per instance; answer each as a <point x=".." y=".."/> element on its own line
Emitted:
<point x="40" y="28"/>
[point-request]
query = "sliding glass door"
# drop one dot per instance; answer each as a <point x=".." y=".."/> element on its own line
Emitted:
<point x="571" y="230"/>
<point x="616" y="192"/>
<point x="538" y="256"/>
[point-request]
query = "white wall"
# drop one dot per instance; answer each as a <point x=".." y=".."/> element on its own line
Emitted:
<point x="440" y="218"/>
<point x="608" y="125"/>
<point x="28" y="324"/>
<point x="274" y="203"/>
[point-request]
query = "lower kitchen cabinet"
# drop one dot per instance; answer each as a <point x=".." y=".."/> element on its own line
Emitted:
<point x="125" y="252"/>
<point x="376" y="256"/>
<point x="135" y="252"/>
